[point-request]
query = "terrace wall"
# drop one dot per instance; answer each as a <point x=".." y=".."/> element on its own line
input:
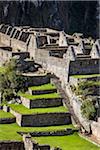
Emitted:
<point x="38" y="92"/>
<point x="75" y="81"/>
<point x="45" y="119"/>
<point x="33" y="145"/>
<point x="41" y="103"/>
<point x="36" y="80"/>
<point x="17" y="115"/>
<point x="50" y="133"/>
<point x="11" y="145"/>
<point x="86" y="66"/>
<point x="7" y="120"/>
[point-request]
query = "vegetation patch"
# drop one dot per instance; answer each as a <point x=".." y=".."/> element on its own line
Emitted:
<point x="71" y="142"/>
<point x="41" y="96"/>
<point x="86" y="76"/>
<point x="2" y="69"/>
<point x="23" y="110"/>
<point x="9" y="131"/>
<point x="43" y="87"/>
<point x="5" y="114"/>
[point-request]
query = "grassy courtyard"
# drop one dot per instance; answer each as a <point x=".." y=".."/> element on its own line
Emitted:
<point x="5" y="114"/>
<point x="71" y="142"/>
<point x="23" y="110"/>
<point x="45" y="96"/>
<point x="43" y="87"/>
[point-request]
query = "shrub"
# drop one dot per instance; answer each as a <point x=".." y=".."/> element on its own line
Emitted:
<point x="88" y="109"/>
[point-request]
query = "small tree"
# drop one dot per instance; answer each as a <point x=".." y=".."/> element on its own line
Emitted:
<point x="11" y="81"/>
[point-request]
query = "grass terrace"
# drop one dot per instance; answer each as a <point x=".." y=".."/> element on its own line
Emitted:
<point x="23" y="110"/>
<point x="43" y="87"/>
<point x="45" y="96"/>
<point x="13" y="128"/>
<point x="71" y="142"/>
<point x="5" y="114"/>
<point x="86" y="76"/>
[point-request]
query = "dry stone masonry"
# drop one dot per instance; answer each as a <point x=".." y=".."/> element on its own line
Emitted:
<point x="57" y="53"/>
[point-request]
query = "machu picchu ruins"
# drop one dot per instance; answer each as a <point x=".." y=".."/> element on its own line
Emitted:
<point x="49" y="89"/>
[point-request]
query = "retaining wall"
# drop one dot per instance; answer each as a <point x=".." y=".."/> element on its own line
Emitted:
<point x="85" y="66"/>
<point x="7" y="120"/>
<point x="11" y="145"/>
<point x="38" y="92"/>
<point x="41" y="103"/>
<point x="45" y="119"/>
<point x="36" y="80"/>
<point x="17" y="115"/>
<point x="76" y="105"/>
<point x="49" y="133"/>
<point x="32" y="144"/>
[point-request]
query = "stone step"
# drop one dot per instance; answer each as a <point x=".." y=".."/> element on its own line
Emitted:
<point x="38" y="92"/>
<point x="62" y="132"/>
<point x="41" y="103"/>
<point x="6" y="117"/>
<point x="40" y="117"/>
<point x="42" y="89"/>
<point x="44" y="119"/>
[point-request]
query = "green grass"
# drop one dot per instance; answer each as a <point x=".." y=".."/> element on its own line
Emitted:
<point x="9" y="131"/>
<point x="23" y="110"/>
<point x="46" y="96"/>
<point x="5" y="114"/>
<point x="71" y="142"/>
<point x="43" y="87"/>
<point x="86" y="76"/>
<point x="2" y="69"/>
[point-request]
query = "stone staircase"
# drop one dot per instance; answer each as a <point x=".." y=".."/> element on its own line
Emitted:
<point x="43" y="108"/>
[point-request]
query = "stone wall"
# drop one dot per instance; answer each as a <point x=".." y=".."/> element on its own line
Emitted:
<point x="11" y="145"/>
<point x="41" y="103"/>
<point x="50" y="133"/>
<point x="95" y="127"/>
<point x="18" y="116"/>
<point x="36" y="80"/>
<point x="45" y="119"/>
<point x="75" y="81"/>
<point x="5" y="55"/>
<point x="84" y="66"/>
<point x="76" y="105"/>
<point x="22" y="55"/>
<point x="7" y="120"/>
<point x="38" y="92"/>
<point x="55" y="65"/>
<point x="32" y="144"/>
<point x="19" y="45"/>
<point x="5" y="39"/>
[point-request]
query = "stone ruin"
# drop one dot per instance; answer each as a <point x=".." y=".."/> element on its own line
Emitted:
<point x="57" y="52"/>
